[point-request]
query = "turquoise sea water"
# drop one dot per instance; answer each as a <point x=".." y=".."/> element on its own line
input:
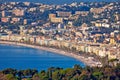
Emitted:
<point x="19" y="57"/>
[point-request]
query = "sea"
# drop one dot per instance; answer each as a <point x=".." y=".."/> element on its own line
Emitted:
<point x="57" y="1"/>
<point x="19" y="57"/>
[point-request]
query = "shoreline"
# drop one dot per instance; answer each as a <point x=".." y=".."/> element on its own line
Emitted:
<point x="86" y="61"/>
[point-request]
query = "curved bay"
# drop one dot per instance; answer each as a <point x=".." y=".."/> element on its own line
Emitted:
<point x="20" y="57"/>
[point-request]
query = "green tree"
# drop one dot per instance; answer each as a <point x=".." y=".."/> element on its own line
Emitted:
<point x="27" y="72"/>
<point x="34" y="71"/>
<point x="10" y="71"/>
<point x="43" y="75"/>
<point x="35" y="77"/>
<point x="83" y="77"/>
<point x="10" y="77"/>
<point x="98" y="75"/>
<point x="56" y="75"/>
<point x="20" y="74"/>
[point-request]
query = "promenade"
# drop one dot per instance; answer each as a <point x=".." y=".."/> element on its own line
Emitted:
<point x="88" y="61"/>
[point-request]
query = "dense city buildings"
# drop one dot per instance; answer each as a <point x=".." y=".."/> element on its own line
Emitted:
<point x="92" y="28"/>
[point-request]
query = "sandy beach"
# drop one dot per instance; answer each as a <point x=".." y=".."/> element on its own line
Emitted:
<point x="87" y="61"/>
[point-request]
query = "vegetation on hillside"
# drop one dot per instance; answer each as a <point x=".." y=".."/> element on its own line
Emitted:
<point x="75" y="73"/>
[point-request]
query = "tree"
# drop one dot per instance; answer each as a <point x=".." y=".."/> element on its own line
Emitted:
<point x="83" y="77"/>
<point x="27" y="72"/>
<point x="43" y="75"/>
<point x="98" y="75"/>
<point x="34" y="71"/>
<point x="10" y="71"/>
<point x="76" y="73"/>
<point x="10" y="77"/>
<point x="20" y="74"/>
<point x="35" y="77"/>
<point x="77" y="67"/>
<point x="56" y="75"/>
